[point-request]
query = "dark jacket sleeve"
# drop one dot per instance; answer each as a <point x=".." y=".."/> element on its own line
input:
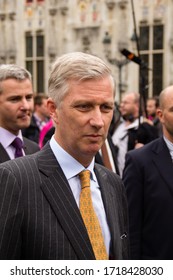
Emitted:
<point x="132" y="179"/>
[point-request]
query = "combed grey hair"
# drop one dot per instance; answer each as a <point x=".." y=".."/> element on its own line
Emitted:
<point x="75" y="66"/>
<point x="12" y="71"/>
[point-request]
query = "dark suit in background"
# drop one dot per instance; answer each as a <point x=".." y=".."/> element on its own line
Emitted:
<point x="42" y="217"/>
<point x="148" y="179"/>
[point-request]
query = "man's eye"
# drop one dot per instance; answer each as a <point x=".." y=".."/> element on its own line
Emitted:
<point x="107" y="108"/>
<point x="83" y="107"/>
<point x="15" y="99"/>
<point x="29" y="97"/>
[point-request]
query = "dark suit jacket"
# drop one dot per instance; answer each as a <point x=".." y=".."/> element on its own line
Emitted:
<point x="29" y="148"/>
<point x="39" y="217"/>
<point x="148" y="179"/>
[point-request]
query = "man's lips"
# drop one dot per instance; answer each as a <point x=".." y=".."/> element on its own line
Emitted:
<point x="24" y="116"/>
<point x="94" y="136"/>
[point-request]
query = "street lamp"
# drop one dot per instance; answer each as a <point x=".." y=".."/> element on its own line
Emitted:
<point x="118" y="63"/>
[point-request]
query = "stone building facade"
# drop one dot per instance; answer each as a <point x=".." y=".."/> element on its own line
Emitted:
<point x="34" y="32"/>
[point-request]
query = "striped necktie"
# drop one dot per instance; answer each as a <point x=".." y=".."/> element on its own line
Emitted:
<point x="90" y="218"/>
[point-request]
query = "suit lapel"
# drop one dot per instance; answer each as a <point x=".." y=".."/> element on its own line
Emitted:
<point x="30" y="147"/>
<point x="109" y="199"/>
<point x="26" y="150"/>
<point x="163" y="162"/>
<point x="3" y="154"/>
<point x="57" y="191"/>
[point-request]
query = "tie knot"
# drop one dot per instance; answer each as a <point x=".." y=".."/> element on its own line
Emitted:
<point x="17" y="143"/>
<point x="85" y="178"/>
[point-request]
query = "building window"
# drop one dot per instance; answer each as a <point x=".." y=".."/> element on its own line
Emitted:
<point x="152" y="53"/>
<point x="158" y="72"/>
<point x="29" y="46"/>
<point x="35" y="59"/>
<point x="40" y="45"/>
<point x="158" y="37"/>
<point x="144" y="38"/>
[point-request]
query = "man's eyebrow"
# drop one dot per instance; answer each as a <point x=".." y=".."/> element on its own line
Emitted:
<point x="13" y="95"/>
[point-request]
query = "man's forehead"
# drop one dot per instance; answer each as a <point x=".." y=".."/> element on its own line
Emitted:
<point x="128" y="99"/>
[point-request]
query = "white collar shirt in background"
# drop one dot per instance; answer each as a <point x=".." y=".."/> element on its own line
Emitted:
<point x="169" y="145"/>
<point x="120" y="139"/>
<point x="39" y="122"/>
<point x="6" y="138"/>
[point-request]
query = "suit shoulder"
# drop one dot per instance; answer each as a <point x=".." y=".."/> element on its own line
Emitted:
<point x="146" y="148"/>
<point x="31" y="143"/>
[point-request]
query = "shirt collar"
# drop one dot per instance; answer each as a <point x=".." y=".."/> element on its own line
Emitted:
<point x="7" y="137"/>
<point x="169" y="144"/>
<point x="70" y="166"/>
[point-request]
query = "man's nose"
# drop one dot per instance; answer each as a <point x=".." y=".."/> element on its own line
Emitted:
<point x="25" y="105"/>
<point x="97" y="119"/>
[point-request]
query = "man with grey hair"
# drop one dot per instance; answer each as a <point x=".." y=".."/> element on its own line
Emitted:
<point x="148" y="179"/>
<point x="43" y="196"/>
<point x="16" y="106"/>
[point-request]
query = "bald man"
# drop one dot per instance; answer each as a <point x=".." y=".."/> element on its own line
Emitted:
<point x="148" y="179"/>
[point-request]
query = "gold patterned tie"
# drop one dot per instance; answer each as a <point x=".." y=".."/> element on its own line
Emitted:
<point x="90" y="218"/>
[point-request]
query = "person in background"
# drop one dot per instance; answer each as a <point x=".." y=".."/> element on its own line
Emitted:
<point x="148" y="179"/>
<point x="107" y="156"/>
<point x="16" y="105"/>
<point x="43" y="215"/>
<point x="152" y="106"/>
<point x="133" y="131"/>
<point x="39" y="118"/>
<point x="46" y="133"/>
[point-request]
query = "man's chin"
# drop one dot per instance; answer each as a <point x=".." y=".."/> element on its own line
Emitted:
<point x="24" y="125"/>
<point x="93" y="151"/>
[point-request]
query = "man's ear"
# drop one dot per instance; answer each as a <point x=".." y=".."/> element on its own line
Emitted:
<point x="159" y="114"/>
<point x="52" y="109"/>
